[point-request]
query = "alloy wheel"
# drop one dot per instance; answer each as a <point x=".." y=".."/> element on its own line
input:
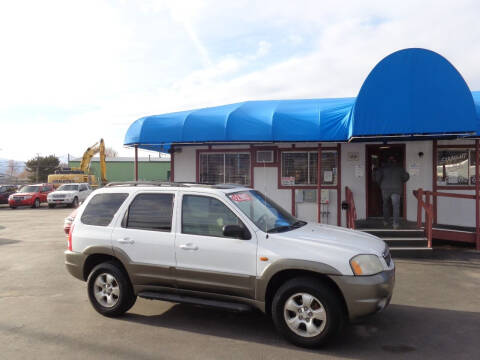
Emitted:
<point x="305" y="315"/>
<point x="106" y="290"/>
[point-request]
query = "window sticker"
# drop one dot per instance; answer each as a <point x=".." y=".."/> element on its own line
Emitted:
<point x="241" y="197"/>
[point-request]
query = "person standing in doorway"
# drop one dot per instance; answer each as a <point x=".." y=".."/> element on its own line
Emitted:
<point x="391" y="178"/>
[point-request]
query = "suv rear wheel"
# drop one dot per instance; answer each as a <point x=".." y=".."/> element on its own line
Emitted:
<point x="307" y="312"/>
<point x="109" y="290"/>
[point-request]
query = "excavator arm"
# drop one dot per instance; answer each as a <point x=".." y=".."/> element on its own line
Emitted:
<point x="87" y="158"/>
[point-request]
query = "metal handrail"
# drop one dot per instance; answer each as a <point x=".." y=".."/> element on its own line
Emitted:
<point x="351" y="210"/>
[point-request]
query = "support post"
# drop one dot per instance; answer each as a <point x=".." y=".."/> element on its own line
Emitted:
<point x="434" y="184"/>
<point x="339" y="184"/>
<point x="477" y="195"/>
<point x="136" y="163"/>
<point x="319" y="183"/>
<point x="419" y="207"/>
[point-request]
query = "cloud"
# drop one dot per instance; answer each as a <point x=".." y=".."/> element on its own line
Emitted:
<point x="105" y="64"/>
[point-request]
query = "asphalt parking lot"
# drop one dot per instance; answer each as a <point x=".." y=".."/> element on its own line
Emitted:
<point x="45" y="313"/>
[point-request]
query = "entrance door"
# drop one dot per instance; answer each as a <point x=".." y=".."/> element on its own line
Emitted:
<point x="377" y="155"/>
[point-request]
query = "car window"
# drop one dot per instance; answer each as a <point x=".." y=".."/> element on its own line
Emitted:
<point x="151" y="212"/>
<point x="203" y="215"/>
<point x="101" y="208"/>
<point x="82" y="187"/>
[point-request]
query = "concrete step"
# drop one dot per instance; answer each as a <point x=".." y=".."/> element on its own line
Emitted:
<point x="398" y="233"/>
<point x="397" y="242"/>
<point x="411" y="252"/>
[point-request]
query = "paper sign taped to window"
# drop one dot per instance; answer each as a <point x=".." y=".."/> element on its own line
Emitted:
<point x="241" y="197"/>
<point x="288" y="180"/>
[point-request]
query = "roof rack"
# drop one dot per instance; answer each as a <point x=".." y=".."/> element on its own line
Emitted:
<point x="144" y="183"/>
<point x="172" y="184"/>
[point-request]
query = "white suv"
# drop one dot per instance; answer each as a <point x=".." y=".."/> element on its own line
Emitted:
<point x="226" y="246"/>
<point x="69" y="194"/>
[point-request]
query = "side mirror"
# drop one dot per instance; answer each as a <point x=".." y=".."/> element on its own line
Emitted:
<point x="236" y="231"/>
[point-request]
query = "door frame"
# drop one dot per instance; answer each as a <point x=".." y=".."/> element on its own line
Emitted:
<point x="402" y="148"/>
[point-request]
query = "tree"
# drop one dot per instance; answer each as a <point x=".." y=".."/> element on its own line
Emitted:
<point x="111" y="152"/>
<point x="40" y="167"/>
<point x="12" y="168"/>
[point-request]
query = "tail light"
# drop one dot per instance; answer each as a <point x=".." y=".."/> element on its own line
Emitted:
<point x="70" y="233"/>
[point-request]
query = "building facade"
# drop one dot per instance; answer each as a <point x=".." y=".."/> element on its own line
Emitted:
<point x="316" y="157"/>
<point x="123" y="168"/>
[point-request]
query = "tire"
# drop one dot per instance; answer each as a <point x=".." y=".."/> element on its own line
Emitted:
<point x="36" y="203"/>
<point x="324" y="317"/>
<point x="121" y="297"/>
<point x="52" y="206"/>
<point x="75" y="202"/>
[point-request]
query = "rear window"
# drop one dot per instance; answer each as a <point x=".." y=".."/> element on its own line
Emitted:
<point x="101" y="209"/>
<point x="151" y="212"/>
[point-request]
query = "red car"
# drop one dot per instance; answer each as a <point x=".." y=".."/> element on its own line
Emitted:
<point x="30" y="195"/>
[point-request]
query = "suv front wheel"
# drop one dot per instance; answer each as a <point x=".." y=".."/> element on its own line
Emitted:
<point x="307" y="312"/>
<point x="109" y="290"/>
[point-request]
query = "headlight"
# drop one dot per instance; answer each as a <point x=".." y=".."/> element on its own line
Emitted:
<point x="366" y="265"/>
<point x="10" y="197"/>
<point x="27" y="197"/>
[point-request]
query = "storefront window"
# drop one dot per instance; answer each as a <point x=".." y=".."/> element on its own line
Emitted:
<point x="329" y="167"/>
<point x="225" y="168"/>
<point x="299" y="168"/>
<point x="455" y="167"/>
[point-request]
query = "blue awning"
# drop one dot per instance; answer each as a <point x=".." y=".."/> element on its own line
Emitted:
<point x="412" y="92"/>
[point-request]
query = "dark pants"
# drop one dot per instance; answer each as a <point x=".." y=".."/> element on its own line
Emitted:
<point x="387" y="195"/>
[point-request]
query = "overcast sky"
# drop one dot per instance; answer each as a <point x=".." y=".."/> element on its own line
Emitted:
<point x="72" y="72"/>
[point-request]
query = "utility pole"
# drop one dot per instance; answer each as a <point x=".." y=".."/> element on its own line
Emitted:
<point x="38" y="167"/>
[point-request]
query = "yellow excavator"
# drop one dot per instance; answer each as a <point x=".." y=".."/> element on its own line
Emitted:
<point x="82" y="173"/>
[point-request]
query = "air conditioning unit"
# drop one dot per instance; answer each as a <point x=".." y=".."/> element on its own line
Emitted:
<point x="265" y="156"/>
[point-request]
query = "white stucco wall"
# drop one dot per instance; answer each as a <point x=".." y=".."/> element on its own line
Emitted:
<point x="449" y="211"/>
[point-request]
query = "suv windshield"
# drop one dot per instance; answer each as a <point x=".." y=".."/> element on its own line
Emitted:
<point x="68" y="188"/>
<point x="30" y="188"/>
<point x="267" y="215"/>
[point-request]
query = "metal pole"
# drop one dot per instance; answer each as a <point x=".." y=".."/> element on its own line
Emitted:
<point x="38" y="168"/>
<point x="136" y="163"/>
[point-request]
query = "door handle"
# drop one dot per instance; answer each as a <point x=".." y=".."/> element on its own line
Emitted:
<point x="188" y="246"/>
<point x="125" y="240"/>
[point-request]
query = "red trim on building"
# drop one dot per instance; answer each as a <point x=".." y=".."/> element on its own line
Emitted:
<point x="339" y="185"/>
<point x="319" y="183"/>
<point x="172" y="164"/>
<point x="477" y="195"/>
<point x="434" y="182"/>
<point x="294" y="212"/>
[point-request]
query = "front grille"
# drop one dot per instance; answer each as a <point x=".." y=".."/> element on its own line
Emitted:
<point x="18" y="198"/>
<point x="58" y="196"/>
<point x="387" y="256"/>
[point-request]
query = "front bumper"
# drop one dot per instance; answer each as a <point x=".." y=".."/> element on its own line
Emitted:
<point x="15" y="203"/>
<point x="74" y="263"/>
<point x="365" y="295"/>
<point x="60" y="201"/>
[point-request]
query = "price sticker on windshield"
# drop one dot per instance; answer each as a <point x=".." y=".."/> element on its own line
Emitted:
<point x="241" y="197"/>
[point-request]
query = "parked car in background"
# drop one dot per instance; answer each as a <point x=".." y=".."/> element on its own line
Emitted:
<point x="69" y="194"/>
<point x="5" y="192"/>
<point x="30" y="195"/>
<point x="67" y="224"/>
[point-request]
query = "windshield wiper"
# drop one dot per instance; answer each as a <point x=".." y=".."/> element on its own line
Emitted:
<point x="283" y="228"/>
